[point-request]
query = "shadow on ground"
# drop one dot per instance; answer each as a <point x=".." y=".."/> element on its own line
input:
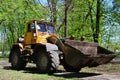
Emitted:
<point x="59" y="73"/>
<point x="32" y="70"/>
<point x="75" y="75"/>
<point x="7" y="67"/>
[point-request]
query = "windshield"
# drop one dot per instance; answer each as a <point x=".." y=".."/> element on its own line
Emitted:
<point x="41" y="27"/>
<point x="45" y="28"/>
<point x="51" y="29"/>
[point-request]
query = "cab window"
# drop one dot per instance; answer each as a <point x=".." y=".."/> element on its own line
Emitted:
<point x="31" y="27"/>
<point x="51" y="29"/>
<point x="41" y="27"/>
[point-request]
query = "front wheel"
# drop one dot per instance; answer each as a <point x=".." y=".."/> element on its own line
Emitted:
<point x="16" y="61"/>
<point x="47" y="62"/>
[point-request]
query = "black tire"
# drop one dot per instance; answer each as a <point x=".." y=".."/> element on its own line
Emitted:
<point x="47" y="62"/>
<point x="69" y="68"/>
<point x="16" y="61"/>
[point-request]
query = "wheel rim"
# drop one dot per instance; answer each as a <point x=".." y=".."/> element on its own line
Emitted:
<point x="43" y="61"/>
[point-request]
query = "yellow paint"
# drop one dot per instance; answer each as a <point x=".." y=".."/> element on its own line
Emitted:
<point x="28" y="37"/>
<point x="32" y="38"/>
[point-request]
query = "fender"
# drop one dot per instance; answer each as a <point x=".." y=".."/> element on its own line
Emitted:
<point x="45" y="47"/>
<point x="17" y="45"/>
<point x="50" y="47"/>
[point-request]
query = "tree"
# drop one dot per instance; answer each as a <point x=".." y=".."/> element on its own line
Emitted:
<point x="13" y="18"/>
<point x="52" y="4"/>
<point x="67" y="6"/>
<point x="98" y="15"/>
<point x="116" y="4"/>
<point x="90" y="18"/>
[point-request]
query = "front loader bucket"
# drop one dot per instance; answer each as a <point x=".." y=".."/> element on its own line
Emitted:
<point x="81" y="54"/>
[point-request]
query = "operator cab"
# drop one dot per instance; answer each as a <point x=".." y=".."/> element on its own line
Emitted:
<point x="38" y="31"/>
<point x="41" y="27"/>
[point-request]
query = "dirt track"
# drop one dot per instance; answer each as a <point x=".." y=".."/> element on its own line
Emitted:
<point x="81" y="76"/>
<point x="4" y="63"/>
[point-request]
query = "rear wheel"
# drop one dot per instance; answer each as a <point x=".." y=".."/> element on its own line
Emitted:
<point x="47" y="62"/>
<point x="16" y="61"/>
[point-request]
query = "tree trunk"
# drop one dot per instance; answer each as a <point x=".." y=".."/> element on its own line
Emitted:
<point x="52" y="5"/>
<point x="96" y="35"/>
<point x="66" y="20"/>
<point x="67" y="5"/>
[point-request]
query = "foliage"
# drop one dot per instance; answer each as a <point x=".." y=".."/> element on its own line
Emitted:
<point x="81" y="16"/>
<point x="14" y="15"/>
<point x="79" y="24"/>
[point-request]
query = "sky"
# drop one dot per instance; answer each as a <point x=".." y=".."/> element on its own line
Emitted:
<point x="110" y="3"/>
<point x="42" y="1"/>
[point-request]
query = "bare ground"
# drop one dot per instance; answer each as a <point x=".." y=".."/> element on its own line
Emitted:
<point x="81" y="75"/>
<point x="4" y="63"/>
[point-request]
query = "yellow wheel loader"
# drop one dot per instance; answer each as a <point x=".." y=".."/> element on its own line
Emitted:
<point x="41" y="45"/>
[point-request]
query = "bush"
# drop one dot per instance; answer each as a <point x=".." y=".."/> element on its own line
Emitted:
<point x="6" y="55"/>
<point x="118" y="55"/>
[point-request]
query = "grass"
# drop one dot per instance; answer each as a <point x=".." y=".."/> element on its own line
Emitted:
<point x="5" y="56"/>
<point x="118" y="55"/>
<point x="109" y="68"/>
<point x="22" y="75"/>
<point x="30" y="73"/>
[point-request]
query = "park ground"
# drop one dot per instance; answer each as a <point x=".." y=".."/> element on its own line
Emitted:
<point x="110" y="71"/>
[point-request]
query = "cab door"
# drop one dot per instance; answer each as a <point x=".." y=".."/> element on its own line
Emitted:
<point x="29" y="34"/>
